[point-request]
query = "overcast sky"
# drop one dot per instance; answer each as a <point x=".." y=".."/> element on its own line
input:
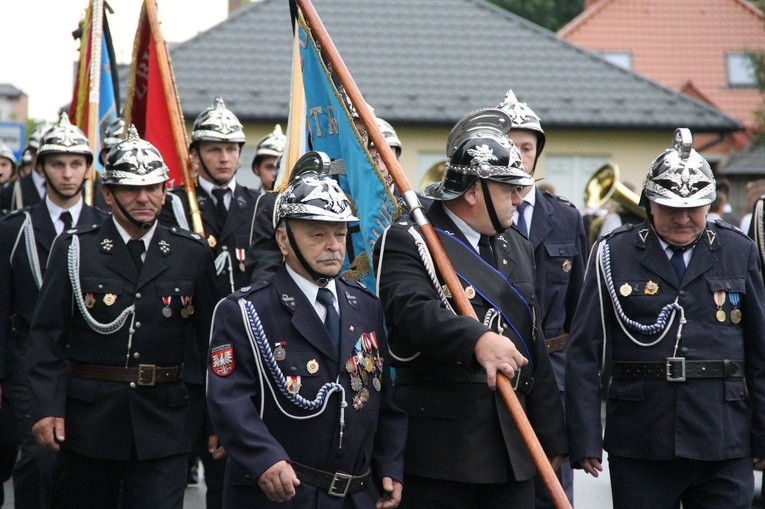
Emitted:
<point x="38" y="52"/>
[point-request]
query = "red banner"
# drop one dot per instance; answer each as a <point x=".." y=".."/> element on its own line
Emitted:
<point x="151" y="104"/>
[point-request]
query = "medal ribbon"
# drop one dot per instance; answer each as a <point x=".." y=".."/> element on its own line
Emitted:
<point x="167" y="300"/>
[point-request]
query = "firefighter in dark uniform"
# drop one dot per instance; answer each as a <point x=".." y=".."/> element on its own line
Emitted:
<point x="681" y="302"/>
<point x="28" y="189"/>
<point x="111" y="136"/>
<point x="8" y="177"/>
<point x="556" y="231"/>
<point x="270" y="148"/>
<point x="107" y="343"/>
<point x="304" y="408"/>
<point x="26" y="237"/>
<point x="227" y="209"/>
<point x="463" y="448"/>
<point x="757" y="233"/>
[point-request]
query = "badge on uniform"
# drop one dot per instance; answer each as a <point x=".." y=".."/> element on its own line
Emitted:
<point x="212" y="241"/>
<point x="293" y="384"/>
<point x="106" y="245"/>
<point x="566" y="266"/>
<point x="719" y="298"/>
<point x="188" y="308"/>
<point x="735" y="313"/>
<point x="312" y="366"/>
<point x="288" y="301"/>
<point x="240" y="254"/>
<point x="167" y="311"/>
<point x="470" y="292"/>
<point x="222" y="359"/>
<point x="110" y="299"/>
<point x="90" y="300"/>
<point x="651" y="288"/>
<point x="279" y="352"/>
<point x="625" y="290"/>
<point x="164" y="247"/>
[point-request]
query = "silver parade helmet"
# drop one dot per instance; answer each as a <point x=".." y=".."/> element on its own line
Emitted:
<point x="134" y="162"/>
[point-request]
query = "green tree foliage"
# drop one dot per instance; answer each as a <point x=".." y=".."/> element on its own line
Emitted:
<point x="551" y="14"/>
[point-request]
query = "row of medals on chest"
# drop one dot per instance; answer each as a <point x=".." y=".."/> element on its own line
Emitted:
<point x="110" y="298"/>
<point x="720" y="296"/>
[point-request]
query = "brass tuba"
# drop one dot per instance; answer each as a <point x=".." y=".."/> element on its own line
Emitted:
<point x="604" y="186"/>
<point x="434" y="174"/>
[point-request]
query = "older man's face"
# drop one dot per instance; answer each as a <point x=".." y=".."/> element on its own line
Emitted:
<point x="679" y="226"/>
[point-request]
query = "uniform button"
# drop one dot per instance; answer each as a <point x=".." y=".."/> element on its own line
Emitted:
<point x="138" y="295"/>
<point x="132" y="385"/>
<point x="136" y="355"/>
<point x="727" y="285"/>
<point x="224" y="248"/>
<point x="560" y="251"/>
<point x="138" y="325"/>
<point x="177" y="290"/>
<point x="684" y="349"/>
<point x="100" y="287"/>
<point x="681" y="292"/>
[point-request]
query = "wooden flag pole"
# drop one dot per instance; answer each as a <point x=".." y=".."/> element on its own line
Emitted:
<point x="179" y="130"/>
<point x="437" y="252"/>
<point x="94" y="91"/>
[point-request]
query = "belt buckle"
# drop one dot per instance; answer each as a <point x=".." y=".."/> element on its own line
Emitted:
<point x="334" y="488"/>
<point x="675" y="362"/>
<point x="517" y="379"/>
<point x="147" y="371"/>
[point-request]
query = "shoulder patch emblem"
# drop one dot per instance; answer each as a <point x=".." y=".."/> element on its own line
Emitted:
<point x="222" y="359"/>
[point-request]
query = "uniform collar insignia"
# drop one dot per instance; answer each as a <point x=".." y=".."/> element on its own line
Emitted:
<point x="449" y="233"/>
<point x="351" y="299"/>
<point x="644" y="234"/>
<point x="241" y="201"/>
<point x="106" y="245"/>
<point x="288" y="301"/>
<point x="201" y="199"/>
<point x="164" y="247"/>
<point x="711" y="237"/>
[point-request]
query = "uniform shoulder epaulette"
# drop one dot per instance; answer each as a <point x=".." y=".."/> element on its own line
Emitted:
<point x="14" y="214"/>
<point x="356" y="284"/>
<point x="187" y="234"/>
<point x="727" y="226"/>
<point x="249" y="289"/>
<point x="80" y="229"/>
<point x="404" y="220"/>
<point x="621" y="229"/>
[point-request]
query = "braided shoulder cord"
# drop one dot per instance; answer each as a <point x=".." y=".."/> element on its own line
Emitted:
<point x="427" y="261"/>
<point x="262" y="352"/>
<point x="178" y="212"/>
<point x="666" y="315"/>
<point x="221" y="261"/>
<point x="31" y="245"/>
<point x="74" y="278"/>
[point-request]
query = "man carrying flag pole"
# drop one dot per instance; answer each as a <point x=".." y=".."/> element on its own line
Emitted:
<point x="442" y="263"/>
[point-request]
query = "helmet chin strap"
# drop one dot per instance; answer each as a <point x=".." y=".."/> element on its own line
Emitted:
<point x="319" y="279"/>
<point x="490" y="207"/>
<point x="218" y="182"/>
<point x="139" y="224"/>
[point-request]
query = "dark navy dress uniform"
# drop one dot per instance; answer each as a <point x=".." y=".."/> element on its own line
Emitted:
<point x="132" y="418"/>
<point x="459" y="430"/>
<point x="560" y="250"/>
<point x="251" y="417"/>
<point x="679" y="432"/>
<point x="18" y="294"/>
<point x="233" y="238"/>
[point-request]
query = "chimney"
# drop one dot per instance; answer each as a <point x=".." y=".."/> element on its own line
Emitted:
<point x="234" y="5"/>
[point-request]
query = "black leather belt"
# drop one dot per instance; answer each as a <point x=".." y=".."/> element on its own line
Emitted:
<point x="557" y="343"/>
<point x="336" y="484"/>
<point x="143" y="374"/>
<point x="678" y="369"/>
<point x="521" y="383"/>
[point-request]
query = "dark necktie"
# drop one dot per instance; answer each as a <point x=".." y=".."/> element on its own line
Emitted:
<point x="678" y="262"/>
<point x="220" y="207"/>
<point x="332" y="321"/>
<point x="485" y="250"/>
<point x="521" y="223"/>
<point x="66" y="218"/>
<point x="136" y="248"/>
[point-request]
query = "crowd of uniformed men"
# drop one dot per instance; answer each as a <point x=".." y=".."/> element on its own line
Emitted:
<point x="131" y="345"/>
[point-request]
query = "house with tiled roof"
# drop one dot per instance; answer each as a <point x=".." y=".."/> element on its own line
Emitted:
<point x="422" y="65"/>
<point x="697" y="47"/>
